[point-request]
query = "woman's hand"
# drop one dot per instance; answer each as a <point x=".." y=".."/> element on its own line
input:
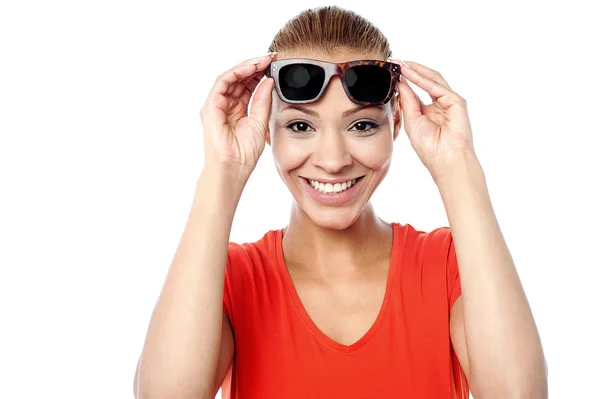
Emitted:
<point x="438" y="131"/>
<point x="232" y="137"/>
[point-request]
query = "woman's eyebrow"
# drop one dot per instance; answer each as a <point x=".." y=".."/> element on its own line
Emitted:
<point x="344" y="114"/>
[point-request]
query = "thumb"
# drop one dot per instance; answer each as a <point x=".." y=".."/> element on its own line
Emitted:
<point x="411" y="104"/>
<point x="260" y="108"/>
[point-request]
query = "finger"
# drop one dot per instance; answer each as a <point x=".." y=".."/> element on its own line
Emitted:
<point x="261" y="63"/>
<point x="433" y="88"/>
<point x="437" y="88"/>
<point x="247" y="92"/>
<point x="251" y="86"/>
<point x="428" y="73"/>
<point x="409" y="102"/>
<point x="250" y="82"/>
<point x="273" y="57"/>
<point x="242" y="71"/>
<point x="261" y="104"/>
<point x="240" y="88"/>
<point x="245" y="97"/>
<point x="245" y="81"/>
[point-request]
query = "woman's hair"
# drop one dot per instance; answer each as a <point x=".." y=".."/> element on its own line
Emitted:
<point x="332" y="30"/>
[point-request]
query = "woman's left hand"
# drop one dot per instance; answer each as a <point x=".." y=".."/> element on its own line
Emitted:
<point x="438" y="131"/>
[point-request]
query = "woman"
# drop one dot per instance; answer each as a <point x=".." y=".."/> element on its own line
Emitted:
<point x="339" y="303"/>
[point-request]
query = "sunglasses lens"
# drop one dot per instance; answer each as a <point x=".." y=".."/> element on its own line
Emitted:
<point x="301" y="82"/>
<point x="369" y="83"/>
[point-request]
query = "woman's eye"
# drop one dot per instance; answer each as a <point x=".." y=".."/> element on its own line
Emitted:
<point x="362" y="126"/>
<point x="302" y="126"/>
<point x="365" y="126"/>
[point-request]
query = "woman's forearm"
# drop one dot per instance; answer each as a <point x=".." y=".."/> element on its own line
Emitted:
<point x="504" y="348"/>
<point x="181" y="349"/>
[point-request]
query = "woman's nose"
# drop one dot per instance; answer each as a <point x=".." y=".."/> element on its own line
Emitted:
<point x="331" y="153"/>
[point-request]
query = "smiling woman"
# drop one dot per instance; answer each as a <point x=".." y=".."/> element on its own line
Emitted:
<point x="332" y="141"/>
<point x="339" y="303"/>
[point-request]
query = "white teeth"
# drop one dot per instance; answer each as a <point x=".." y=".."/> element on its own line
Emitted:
<point x="330" y="188"/>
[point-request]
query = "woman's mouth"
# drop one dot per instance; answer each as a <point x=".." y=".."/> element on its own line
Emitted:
<point x="336" y="193"/>
<point x="332" y="188"/>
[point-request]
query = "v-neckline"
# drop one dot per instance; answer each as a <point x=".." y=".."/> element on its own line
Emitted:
<point x="304" y="314"/>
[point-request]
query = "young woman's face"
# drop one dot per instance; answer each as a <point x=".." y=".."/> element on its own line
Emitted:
<point x="332" y="159"/>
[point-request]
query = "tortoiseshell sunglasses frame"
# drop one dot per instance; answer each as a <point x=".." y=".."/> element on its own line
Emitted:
<point x="333" y="69"/>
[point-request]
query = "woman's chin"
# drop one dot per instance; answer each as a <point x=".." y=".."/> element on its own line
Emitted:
<point x="333" y="219"/>
<point x="336" y="213"/>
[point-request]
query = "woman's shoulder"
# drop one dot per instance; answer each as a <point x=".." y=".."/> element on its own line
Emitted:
<point x="266" y="240"/>
<point x="422" y="238"/>
<point x="410" y="227"/>
<point x="254" y="252"/>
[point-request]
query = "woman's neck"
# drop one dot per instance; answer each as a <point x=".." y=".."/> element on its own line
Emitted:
<point x="327" y="253"/>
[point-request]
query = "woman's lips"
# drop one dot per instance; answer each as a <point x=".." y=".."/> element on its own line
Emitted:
<point x="332" y="198"/>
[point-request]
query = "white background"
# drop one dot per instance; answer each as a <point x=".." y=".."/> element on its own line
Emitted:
<point x="101" y="146"/>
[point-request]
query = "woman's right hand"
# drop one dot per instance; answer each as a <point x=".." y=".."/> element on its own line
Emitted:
<point x="232" y="136"/>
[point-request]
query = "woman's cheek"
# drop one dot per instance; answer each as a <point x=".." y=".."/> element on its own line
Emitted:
<point x="373" y="152"/>
<point x="289" y="153"/>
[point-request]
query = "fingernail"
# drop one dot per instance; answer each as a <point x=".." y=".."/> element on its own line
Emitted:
<point x="272" y="54"/>
<point x="405" y="64"/>
<point x="254" y="61"/>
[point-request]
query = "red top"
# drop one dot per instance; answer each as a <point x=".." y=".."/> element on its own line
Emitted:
<point x="407" y="352"/>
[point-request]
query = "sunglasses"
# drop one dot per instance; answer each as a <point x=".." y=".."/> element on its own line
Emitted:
<point x="304" y="80"/>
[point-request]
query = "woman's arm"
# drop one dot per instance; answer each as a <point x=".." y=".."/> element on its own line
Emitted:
<point x="181" y="350"/>
<point x="504" y="351"/>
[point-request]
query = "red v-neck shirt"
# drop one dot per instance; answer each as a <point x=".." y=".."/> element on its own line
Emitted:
<point x="406" y="353"/>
